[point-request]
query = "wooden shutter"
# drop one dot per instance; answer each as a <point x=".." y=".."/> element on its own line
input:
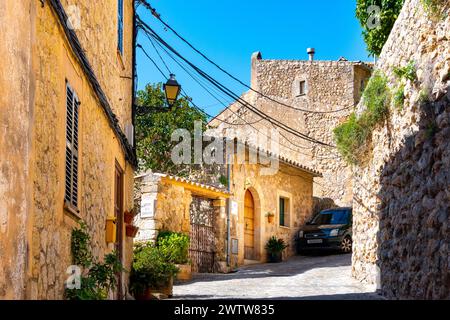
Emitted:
<point x="282" y="212"/>
<point x="71" y="187"/>
<point x="120" y="26"/>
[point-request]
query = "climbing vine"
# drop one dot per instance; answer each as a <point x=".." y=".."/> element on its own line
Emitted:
<point x="97" y="278"/>
<point x="433" y="7"/>
<point x="352" y="135"/>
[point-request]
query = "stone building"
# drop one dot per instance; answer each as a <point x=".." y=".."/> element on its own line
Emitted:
<point x="329" y="89"/>
<point x="401" y="191"/>
<point x="287" y="194"/>
<point x="169" y="203"/>
<point x="181" y="205"/>
<point x="66" y="88"/>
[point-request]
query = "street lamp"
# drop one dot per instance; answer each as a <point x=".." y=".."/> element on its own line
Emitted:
<point x="172" y="89"/>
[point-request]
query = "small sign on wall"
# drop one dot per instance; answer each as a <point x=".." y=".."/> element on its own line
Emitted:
<point x="234" y="246"/>
<point x="234" y="208"/>
<point x="148" y="202"/>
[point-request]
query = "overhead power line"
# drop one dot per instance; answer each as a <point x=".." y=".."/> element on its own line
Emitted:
<point x="158" y="16"/>
<point x="224" y="121"/>
<point x="146" y="28"/>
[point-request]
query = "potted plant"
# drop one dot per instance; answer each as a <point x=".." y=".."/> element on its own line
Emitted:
<point x="175" y="249"/>
<point x="150" y="272"/>
<point x="128" y="216"/>
<point x="131" y="230"/>
<point x="275" y="249"/>
<point x="270" y="217"/>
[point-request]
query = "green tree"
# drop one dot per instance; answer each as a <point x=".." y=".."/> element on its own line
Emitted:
<point x="155" y="123"/>
<point x="377" y="24"/>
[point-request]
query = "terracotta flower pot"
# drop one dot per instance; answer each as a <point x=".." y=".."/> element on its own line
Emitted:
<point x="128" y="217"/>
<point x="270" y="219"/>
<point x="166" y="289"/>
<point x="146" y="295"/>
<point x="131" y="230"/>
<point x="275" y="257"/>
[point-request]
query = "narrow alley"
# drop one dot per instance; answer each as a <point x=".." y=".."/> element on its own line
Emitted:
<point x="325" y="277"/>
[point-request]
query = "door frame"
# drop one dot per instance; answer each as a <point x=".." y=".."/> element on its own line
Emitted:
<point x="118" y="213"/>
<point x="246" y="234"/>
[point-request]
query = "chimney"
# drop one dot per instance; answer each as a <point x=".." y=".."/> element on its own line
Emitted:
<point x="311" y="52"/>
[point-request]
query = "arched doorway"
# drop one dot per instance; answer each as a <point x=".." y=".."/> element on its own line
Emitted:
<point x="249" y="226"/>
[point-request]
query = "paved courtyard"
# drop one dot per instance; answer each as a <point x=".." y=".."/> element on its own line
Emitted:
<point x="301" y="277"/>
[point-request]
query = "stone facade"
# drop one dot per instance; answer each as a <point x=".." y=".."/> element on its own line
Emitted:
<point x="35" y="228"/>
<point x="329" y="86"/>
<point x="289" y="182"/>
<point x="401" y="193"/>
<point x="168" y="203"/>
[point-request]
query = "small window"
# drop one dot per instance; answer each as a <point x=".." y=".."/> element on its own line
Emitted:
<point x="302" y="88"/>
<point x="120" y="26"/>
<point x="71" y="187"/>
<point x="284" y="212"/>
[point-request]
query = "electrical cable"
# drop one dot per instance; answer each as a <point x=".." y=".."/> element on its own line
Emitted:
<point x="227" y="91"/>
<point x="158" y="16"/>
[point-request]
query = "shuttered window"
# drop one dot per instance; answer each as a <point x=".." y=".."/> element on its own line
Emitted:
<point x="282" y="212"/>
<point x="72" y="106"/>
<point x="120" y="26"/>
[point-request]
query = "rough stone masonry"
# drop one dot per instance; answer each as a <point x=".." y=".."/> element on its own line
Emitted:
<point x="329" y="89"/>
<point x="402" y="193"/>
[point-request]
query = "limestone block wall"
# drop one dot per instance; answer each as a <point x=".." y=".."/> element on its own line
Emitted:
<point x="291" y="183"/>
<point x="99" y="152"/>
<point x="16" y="116"/>
<point x="401" y="194"/>
<point x="35" y="229"/>
<point x="163" y="206"/>
<point x="330" y="86"/>
<point x="98" y="35"/>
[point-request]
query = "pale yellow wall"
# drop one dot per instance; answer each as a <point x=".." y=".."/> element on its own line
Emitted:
<point x="266" y="190"/>
<point x="35" y="230"/>
<point x="16" y="115"/>
<point x="98" y="35"/>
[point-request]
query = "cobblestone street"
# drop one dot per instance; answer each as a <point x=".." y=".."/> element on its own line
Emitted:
<point x="301" y="277"/>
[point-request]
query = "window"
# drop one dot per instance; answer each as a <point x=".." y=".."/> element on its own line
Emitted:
<point x="120" y="26"/>
<point x="302" y="88"/>
<point x="332" y="217"/>
<point x="71" y="188"/>
<point x="284" y="212"/>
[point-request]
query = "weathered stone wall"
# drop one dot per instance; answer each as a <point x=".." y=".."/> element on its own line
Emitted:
<point x="16" y="117"/>
<point x="291" y="183"/>
<point x="330" y="86"/>
<point x="98" y="33"/>
<point x="36" y="231"/>
<point x="401" y="194"/>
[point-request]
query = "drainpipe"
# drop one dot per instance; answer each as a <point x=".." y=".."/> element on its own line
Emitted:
<point x="228" y="213"/>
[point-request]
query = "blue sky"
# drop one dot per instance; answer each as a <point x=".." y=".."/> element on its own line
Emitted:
<point x="229" y="31"/>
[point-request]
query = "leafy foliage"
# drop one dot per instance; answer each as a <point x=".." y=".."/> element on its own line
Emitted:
<point x="275" y="245"/>
<point x="399" y="96"/>
<point x="174" y="247"/>
<point x="223" y="180"/>
<point x="155" y="123"/>
<point x="98" y="278"/>
<point x="150" y="268"/>
<point x="433" y="7"/>
<point x="351" y="136"/>
<point x="408" y="72"/>
<point x="376" y="37"/>
<point x="80" y="246"/>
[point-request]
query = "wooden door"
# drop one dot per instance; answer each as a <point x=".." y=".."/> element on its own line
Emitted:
<point x="249" y="226"/>
<point x="118" y="212"/>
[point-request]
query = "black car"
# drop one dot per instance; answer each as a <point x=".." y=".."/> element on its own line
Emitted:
<point x="330" y="229"/>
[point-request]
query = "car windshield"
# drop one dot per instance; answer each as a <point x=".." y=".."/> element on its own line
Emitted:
<point x="331" y="217"/>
